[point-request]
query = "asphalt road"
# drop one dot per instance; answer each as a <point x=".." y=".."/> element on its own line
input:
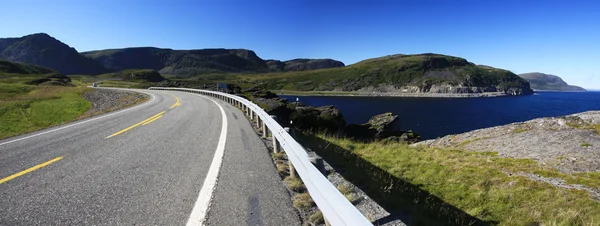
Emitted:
<point x="145" y="165"/>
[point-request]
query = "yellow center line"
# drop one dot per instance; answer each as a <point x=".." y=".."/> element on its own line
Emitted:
<point x="137" y="124"/>
<point x="154" y="119"/>
<point x="178" y="103"/>
<point x="29" y="170"/>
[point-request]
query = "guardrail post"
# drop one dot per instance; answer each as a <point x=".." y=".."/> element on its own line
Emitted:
<point x="265" y="131"/>
<point x="276" y="145"/>
<point x="320" y="165"/>
<point x="257" y="121"/>
<point x="293" y="172"/>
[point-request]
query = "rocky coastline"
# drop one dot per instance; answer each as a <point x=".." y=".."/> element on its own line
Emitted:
<point x="329" y="120"/>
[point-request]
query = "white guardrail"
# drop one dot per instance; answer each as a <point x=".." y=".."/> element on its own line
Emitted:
<point x="336" y="209"/>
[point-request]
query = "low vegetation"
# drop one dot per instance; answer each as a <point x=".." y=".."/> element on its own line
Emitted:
<point x="316" y="218"/>
<point x="25" y="108"/>
<point x="303" y="201"/>
<point x="480" y="184"/>
<point x="295" y="184"/>
<point x="34" y="97"/>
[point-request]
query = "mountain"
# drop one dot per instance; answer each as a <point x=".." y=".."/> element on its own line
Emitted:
<point x="187" y="63"/>
<point x="546" y="82"/>
<point x="44" y="50"/>
<point x="183" y="63"/>
<point x="419" y="73"/>
<point x="303" y="64"/>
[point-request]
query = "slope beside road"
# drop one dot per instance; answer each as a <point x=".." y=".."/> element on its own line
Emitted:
<point x="144" y="165"/>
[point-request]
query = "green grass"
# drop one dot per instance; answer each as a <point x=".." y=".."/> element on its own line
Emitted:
<point x="478" y="183"/>
<point x="586" y="144"/>
<point x="26" y="108"/>
<point x="29" y="108"/>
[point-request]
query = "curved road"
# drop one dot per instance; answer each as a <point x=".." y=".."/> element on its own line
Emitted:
<point x="146" y="165"/>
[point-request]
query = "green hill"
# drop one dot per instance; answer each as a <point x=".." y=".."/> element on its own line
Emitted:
<point x="303" y="64"/>
<point x="546" y="82"/>
<point x="420" y="73"/>
<point x="22" y="68"/>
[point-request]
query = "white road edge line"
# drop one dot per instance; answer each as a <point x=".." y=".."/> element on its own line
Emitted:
<point x="202" y="205"/>
<point x="79" y="123"/>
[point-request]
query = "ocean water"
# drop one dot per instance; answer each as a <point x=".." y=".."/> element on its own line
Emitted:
<point x="437" y="117"/>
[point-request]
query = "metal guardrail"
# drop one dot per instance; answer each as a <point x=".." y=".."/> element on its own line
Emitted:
<point x="336" y="209"/>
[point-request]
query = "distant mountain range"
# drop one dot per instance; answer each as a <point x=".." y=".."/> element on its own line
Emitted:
<point x="546" y="82"/>
<point x="42" y="49"/>
<point x="394" y="74"/>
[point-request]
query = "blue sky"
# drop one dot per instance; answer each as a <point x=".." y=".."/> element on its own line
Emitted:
<point x="555" y="37"/>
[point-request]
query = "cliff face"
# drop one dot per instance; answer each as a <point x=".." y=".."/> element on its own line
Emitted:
<point x="546" y="82"/>
<point x="44" y="50"/>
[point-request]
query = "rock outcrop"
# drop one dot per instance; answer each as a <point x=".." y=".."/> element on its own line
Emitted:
<point x="324" y="119"/>
<point x="382" y="126"/>
<point x="329" y="119"/>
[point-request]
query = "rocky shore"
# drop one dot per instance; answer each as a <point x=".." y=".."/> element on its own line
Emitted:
<point x="570" y="143"/>
<point x="329" y="120"/>
<point x="394" y="94"/>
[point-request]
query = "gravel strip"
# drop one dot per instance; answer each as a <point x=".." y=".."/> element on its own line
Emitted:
<point x="106" y="100"/>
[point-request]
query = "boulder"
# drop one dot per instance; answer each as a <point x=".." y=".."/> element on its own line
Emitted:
<point x="379" y="127"/>
<point x="273" y="106"/>
<point x="326" y="119"/>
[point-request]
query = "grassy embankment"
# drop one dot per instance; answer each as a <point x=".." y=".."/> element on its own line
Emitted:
<point x="27" y="107"/>
<point x="458" y="187"/>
